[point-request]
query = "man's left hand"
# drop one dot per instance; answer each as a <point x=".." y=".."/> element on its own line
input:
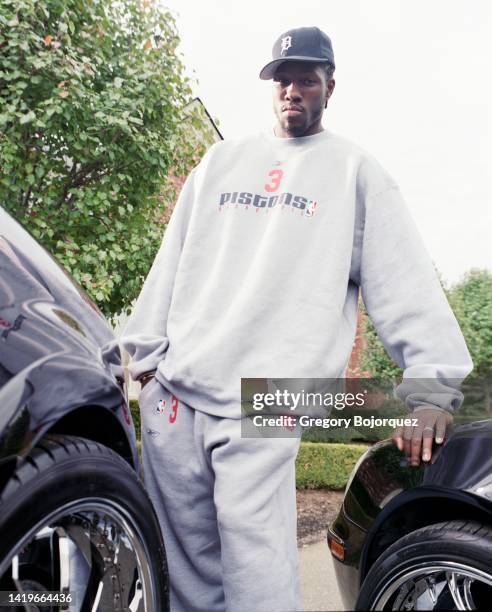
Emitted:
<point x="417" y="440"/>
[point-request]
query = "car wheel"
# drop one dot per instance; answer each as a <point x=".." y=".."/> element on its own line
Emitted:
<point x="447" y="566"/>
<point x="75" y="518"/>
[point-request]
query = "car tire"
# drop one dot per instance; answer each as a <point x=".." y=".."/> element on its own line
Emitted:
<point x="446" y="566"/>
<point x="75" y="516"/>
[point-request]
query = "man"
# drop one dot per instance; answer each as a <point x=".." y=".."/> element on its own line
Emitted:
<point x="258" y="276"/>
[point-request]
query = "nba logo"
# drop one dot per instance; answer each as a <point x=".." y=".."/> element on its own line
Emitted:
<point x="309" y="211"/>
<point x="161" y="407"/>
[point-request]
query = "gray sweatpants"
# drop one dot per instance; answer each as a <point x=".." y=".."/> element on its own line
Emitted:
<point x="226" y="506"/>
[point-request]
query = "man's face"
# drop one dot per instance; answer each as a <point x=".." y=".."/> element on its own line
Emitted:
<point x="300" y="93"/>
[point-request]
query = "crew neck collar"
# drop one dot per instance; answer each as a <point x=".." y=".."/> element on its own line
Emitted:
<point x="298" y="141"/>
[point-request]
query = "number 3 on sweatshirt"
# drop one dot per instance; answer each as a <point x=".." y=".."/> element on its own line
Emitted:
<point x="174" y="409"/>
<point x="276" y="177"/>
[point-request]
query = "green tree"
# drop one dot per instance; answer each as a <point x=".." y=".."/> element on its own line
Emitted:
<point x="471" y="301"/>
<point x="93" y="119"/>
<point x="374" y="358"/>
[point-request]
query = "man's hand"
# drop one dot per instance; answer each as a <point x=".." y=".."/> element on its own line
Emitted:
<point x="417" y="440"/>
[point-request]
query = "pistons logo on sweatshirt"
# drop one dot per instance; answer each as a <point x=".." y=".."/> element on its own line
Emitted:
<point x="272" y="199"/>
<point x="258" y="201"/>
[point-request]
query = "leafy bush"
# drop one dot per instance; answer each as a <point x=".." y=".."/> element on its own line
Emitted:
<point x="94" y="114"/>
<point x="471" y="302"/>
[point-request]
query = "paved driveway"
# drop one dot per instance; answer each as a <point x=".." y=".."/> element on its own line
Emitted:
<point x="318" y="583"/>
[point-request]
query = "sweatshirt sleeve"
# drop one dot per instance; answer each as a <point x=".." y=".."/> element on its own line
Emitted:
<point x="145" y="335"/>
<point x="404" y="299"/>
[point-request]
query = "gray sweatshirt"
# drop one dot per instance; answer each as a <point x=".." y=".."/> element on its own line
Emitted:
<point x="259" y="272"/>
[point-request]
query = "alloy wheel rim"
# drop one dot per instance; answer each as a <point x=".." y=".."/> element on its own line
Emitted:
<point x="420" y="586"/>
<point x="96" y="546"/>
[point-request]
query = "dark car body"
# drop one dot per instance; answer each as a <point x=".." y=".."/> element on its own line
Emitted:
<point x="60" y="365"/>
<point x="386" y="499"/>
<point x="75" y="518"/>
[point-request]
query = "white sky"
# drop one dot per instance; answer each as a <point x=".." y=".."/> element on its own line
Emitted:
<point x="414" y="87"/>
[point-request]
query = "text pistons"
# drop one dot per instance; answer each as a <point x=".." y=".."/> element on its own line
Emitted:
<point x="245" y="198"/>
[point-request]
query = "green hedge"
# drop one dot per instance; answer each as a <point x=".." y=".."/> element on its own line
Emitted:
<point x="326" y="466"/>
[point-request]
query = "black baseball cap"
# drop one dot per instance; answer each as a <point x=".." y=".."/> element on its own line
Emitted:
<point x="302" y="44"/>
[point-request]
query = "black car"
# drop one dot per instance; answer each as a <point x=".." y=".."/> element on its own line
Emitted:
<point x="418" y="538"/>
<point x="74" y="516"/>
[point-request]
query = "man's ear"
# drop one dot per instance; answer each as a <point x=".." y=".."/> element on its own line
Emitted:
<point x="330" y="86"/>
